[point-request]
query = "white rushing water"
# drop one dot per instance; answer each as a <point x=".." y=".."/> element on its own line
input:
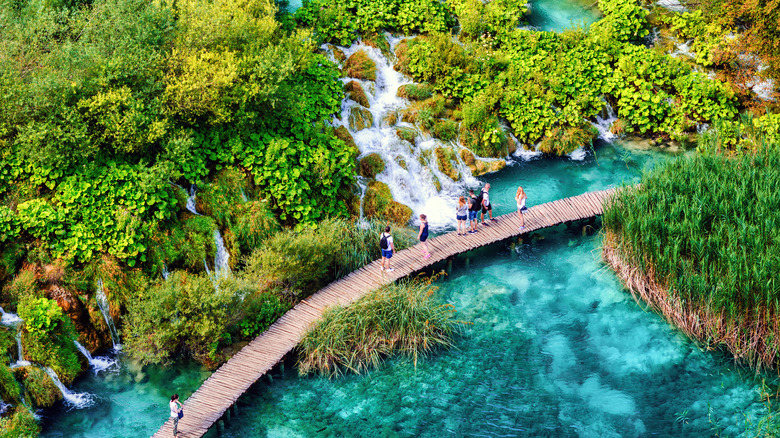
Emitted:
<point x="20" y="362"/>
<point x="9" y="319"/>
<point x="99" y="363"/>
<point x="102" y="302"/>
<point x="76" y="400"/>
<point x="191" y="200"/>
<point x="410" y="171"/>
<point x="222" y="257"/>
<point x="4" y="407"/>
<point x="165" y="272"/>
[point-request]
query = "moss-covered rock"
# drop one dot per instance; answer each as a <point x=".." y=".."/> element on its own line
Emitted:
<point x="564" y="141"/>
<point x="9" y="387"/>
<point x="371" y="165"/>
<point x="401" y="162"/>
<point x="38" y="386"/>
<point x="424" y="113"/>
<point x="408" y="134"/>
<point x="378" y="41"/>
<point x="343" y="133"/>
<point x="446" y="130"/>
<point x="415" y="91"/>
<point x="480" y="167"/>
<point x="378" y="203"/>
<point x="391" y="118"/>
<point x="338" y="55"/>
<point x="355" y="92"/>
<point x="445" y="158"/>
<point x="360" y="66"/>
<point x="20" y="423"/>
<point x="360" y="118"/>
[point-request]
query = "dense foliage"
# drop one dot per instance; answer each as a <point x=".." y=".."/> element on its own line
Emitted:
<point x="707" y="230"/>
<point x="48" y="336"/>
<point x="402" y="318"/>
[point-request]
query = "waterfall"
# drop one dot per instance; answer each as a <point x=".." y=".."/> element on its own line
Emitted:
<point x="411" y="171"/>
<point x="4" y="406"/>
<point x="165" y="272"/>
<point x="191" y="200"/>
<point x="9" y="319"/>
<point x="243" y="195"/>
<point x="20" y="362"/>
<point x="604" y="122"/>
<point x="222" y="258"/>
<point x="102" y="302"/>
<point x="97" y="364"/>
<point x="75" y="400"/>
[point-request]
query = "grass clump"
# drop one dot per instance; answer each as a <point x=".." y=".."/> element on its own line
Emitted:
<point x="355" y="91"/>
<point x="700" y="241"/>
<point x="371" y="165"/>
<point x="20" y="424"/>
<point x="408" y="134"/>
<point x="562" y="141"/>
<point x="400" y="319"/>
<point x="415" y="91"/>
<point x="360" y="66"/>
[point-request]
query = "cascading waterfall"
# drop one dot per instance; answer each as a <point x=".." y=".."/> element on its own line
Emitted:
<point x="244" y="197"/>
<point x="102" y="302"/>
<point x="165" y="272"/>
<point x="9" y="319"/>
<point x="20" y="362"/>
<point x="76" y="400"/>
<point x="4" y="406"/>
<point x="411" y="172"/>
<point x="191" y="200"/>
<point x="222" y="257"/>
<point x="604" y="122"/>
<point x="99" y="363"/>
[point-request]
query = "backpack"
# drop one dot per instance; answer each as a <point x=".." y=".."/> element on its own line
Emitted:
<point x="476" y="203"/>
<point x="383" y="241"/>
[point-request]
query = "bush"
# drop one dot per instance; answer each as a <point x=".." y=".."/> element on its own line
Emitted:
<point x="9" y="387"/>
<point x="301" y="263"/>
<point x="255" y="222"/>
<point x="48" y="337"/>
<point x="415" y="91"/>
<point x="400" y="318"/>
<point x="185" y="313"/>
<point x="38" y="387"/>
<point x="262" y="310"/>
<point x="21" y="424"/>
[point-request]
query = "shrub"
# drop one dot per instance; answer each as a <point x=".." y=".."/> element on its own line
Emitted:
<point x="255" y="222"/>
<point x="218" y="198"/>
<point x="186" y="313"/>
<point x="562" y="141"/>
<point x="48" y="337"/>
<point x="262" y="310"/>
<point x="400" y="318"/>
<point x="446" y="130"/>
<point x="38" y="387"/>
<point x="9" y="387"/>
<point x="20" y="424"/>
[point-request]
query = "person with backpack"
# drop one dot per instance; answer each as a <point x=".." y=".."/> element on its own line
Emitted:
<point x="387" y="248"/>
<point x="475" y="205"/>
<point x="177" y="412"/>
<point x="486" y="206"/>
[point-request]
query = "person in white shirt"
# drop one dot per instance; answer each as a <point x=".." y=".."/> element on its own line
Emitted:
<point x="520" y="197"/>
<point x="486" y="206"/>
<point x="176" y="408"/>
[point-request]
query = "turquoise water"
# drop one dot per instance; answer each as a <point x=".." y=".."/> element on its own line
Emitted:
<point x="129" y="402"/>
<point x="557" y="15"/>
<point x="557" y="348"/>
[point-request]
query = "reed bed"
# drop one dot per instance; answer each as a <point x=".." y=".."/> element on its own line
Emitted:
<point x="699" y="241"/>
<point x="399" y="319"/>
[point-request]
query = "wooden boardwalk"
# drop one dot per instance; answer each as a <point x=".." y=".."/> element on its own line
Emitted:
<point x="220" y="391"/>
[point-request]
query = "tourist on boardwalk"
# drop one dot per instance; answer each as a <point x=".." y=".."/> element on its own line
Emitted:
<point x="475" y="205"/>
<point x="423" y="236"/>
<point x="520" y="197"/>
<point x="486" y="206"/>
<point x="177" y="411"/>
<point x="461" y="214"/>
<point x="388" y="249"/>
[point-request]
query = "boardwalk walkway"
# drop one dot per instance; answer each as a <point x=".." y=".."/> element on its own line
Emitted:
<point x="220" y="391"/>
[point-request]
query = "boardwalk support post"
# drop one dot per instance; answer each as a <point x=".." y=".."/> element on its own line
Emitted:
<point x="226" y="417"/>
<point x="235" y="409"/>
<point x="220" y="428"/>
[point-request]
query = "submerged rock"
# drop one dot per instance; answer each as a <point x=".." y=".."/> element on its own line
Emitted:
<point x="371" y="165"/>
<point x="378" y="203"/>
<point x="360" y="118"/>
<point x="360" y="66"/>
<point x="355" y="92"/>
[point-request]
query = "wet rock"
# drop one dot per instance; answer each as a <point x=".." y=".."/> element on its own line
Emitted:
<point x="338" y="55"/>
<point x="360" y="118"/>
<point x="480" y="167"/>
<point x="401" y="162"/>
<point x="445" y="158"/>
<point x="378" y="41"/>
<point x="355" y="92"/>
<point x="360" y="66"/>
<point x="371" y="165"/>
<point x="391" y="118"/>
<point x="343" y="133"/>
<point x="79" y="315"/>
<point x="408" y="134"/>
<point x="378" y="203"/>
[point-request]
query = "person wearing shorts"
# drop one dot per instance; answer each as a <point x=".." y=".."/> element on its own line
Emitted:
<point x="387" y="248"/>
<point x="461" y="214"/>
<point x="474" y="209"/>
<point x="486" y="206"/>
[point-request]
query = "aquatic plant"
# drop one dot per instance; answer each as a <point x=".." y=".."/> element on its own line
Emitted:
<point x="698" y="241"/>
<point x="400" y="319"/>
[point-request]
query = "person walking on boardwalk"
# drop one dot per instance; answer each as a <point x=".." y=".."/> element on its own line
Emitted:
<point x="486" y="206"/>
<point x="520" y="197"/>
<point x="388" y="249"/>
<point x="177" y="411"/>
<point x="423" y="236"/>
<point x="461" y="214"/>
<point x="475" y="205"/>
